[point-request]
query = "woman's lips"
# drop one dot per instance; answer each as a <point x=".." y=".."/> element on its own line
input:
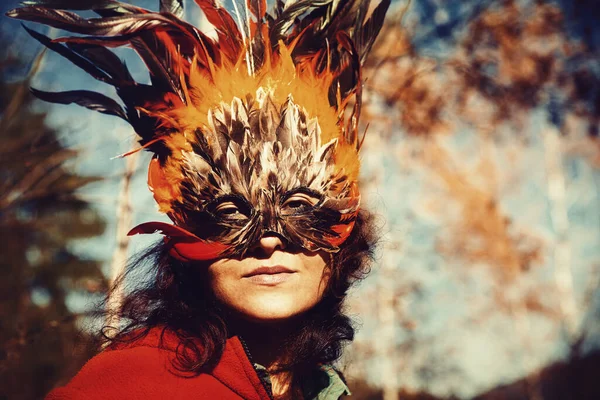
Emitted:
<point x="270" y="276"/>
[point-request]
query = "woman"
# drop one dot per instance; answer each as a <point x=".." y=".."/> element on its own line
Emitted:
<point x="256" y="163"/>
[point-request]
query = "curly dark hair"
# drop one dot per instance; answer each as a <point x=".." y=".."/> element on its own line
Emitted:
<point x="175" y="296"/>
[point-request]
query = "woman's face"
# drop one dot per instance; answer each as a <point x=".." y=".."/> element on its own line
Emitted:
<point x="271" y="282"/>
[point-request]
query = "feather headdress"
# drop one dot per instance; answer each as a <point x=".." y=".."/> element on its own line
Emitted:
<point x="253" y="131"/>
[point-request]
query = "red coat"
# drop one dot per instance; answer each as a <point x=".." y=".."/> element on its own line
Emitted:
<point x="142" y="370"/>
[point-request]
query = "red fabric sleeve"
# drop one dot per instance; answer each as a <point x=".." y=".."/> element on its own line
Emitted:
<point x="143" y="373"/>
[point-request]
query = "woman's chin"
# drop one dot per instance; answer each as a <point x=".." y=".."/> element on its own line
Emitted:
<point x="270" y="310"/>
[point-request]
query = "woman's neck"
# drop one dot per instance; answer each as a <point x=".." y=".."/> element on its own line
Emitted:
<point x="266" y="343"/>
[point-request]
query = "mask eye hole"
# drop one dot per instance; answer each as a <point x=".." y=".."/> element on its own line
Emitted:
<point x="299" y="202"/>
<point x="230" y="208"/>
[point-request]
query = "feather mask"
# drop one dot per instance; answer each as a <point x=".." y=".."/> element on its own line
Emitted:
<point x="253" y="132"/>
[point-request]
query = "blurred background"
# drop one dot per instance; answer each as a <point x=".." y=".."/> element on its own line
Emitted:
<point x="482" y="163"/>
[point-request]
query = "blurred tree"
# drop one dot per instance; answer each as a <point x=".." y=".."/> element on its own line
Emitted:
<point x="40" y="214"/>
<point x="490" y="100"/>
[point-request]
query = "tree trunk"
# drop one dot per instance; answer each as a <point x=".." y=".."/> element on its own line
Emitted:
<point x="119" y="258"/>
<point x="563" y="275"/>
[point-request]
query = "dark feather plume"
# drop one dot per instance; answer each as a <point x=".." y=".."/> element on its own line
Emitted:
<point x="288" y="17"/>
<point x="72" y="56"/>
<point x="164" y="42"/>
<point x="158" y="60"/>
<point x="80" y="4"/>
<point x="354" y="71"/>
<point x="85" y="98"/>
<point x="371" y="29"/>
<point x="106" y="60"/>
<point x="174" y="7"/>
<point x="109" y="26"/>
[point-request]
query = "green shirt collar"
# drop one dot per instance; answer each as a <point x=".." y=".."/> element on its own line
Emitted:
<point x="325" y="383"/>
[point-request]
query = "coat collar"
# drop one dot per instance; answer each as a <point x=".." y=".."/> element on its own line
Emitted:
<point x="233" y="370"/>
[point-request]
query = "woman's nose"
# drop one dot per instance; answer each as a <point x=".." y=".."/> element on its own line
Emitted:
<point x="269" y="243"/>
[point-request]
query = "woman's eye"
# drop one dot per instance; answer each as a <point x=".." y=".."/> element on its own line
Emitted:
<point x="299" y="202"/>
<point x="296" y="204"/>
<point x="230" y="210"/>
